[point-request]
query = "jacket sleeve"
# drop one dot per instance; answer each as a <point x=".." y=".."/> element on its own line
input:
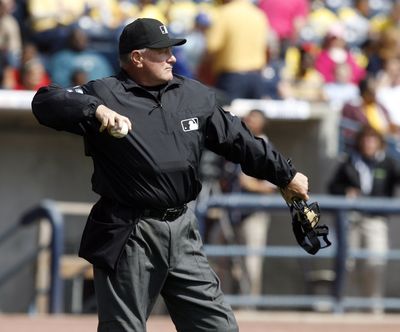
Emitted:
<point x="229" y="137"/>
<point x="64" y="109"/>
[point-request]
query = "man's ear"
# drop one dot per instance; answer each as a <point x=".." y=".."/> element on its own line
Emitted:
<point x="136" y="58"/>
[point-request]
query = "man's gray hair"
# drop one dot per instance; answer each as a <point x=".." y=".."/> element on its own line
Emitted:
<point x="125" y="59"/>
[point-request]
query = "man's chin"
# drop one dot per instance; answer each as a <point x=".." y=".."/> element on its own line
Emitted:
<point x="166" y="78"/>
<point x="169" y="76"/>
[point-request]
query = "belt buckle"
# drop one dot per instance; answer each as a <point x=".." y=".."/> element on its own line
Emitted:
<point x="171" y="214"/>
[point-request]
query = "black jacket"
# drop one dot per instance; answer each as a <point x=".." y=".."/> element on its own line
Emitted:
<point x="385" y="176"/>
<point x="157" y="164"/>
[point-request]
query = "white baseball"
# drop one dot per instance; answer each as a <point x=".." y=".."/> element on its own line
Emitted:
<point x="119" y="132"/>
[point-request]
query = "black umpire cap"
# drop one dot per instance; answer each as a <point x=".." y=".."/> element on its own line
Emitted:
<point x="146" y="33"/>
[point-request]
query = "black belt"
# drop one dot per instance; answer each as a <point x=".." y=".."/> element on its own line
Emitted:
<point x="169" y="214"/>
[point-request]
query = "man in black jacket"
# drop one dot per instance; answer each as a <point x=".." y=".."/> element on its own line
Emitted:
<point x="141" y="236"/>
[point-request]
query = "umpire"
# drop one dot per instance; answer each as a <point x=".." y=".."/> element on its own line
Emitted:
<point x="141" y="236"/>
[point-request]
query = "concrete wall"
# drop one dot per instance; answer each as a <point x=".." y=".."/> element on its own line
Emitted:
<point x="36" y="163"/>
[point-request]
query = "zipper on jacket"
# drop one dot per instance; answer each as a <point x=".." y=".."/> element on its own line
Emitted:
<point x="162" y="110"/>
<point x="164" y="117"/>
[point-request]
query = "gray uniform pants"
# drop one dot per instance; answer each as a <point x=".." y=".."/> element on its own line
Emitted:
<point x="162" y="257"/>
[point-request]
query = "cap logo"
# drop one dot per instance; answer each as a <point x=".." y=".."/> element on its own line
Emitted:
<point x="163" y="29"/>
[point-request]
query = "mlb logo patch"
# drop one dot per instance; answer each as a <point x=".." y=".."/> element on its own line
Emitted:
<point x="163" y="29"/>
<point x="190" y="124"/>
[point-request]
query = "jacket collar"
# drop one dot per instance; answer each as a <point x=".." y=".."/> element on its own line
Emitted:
<point x="129" y="83"/>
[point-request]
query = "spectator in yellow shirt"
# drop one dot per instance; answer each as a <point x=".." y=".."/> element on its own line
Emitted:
<point x="237" y="43"/>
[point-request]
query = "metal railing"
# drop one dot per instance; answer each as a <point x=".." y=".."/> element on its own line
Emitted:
<point x="336" y="205"/>
<point x="48" y="211"/>
<point x="54" y="212"/>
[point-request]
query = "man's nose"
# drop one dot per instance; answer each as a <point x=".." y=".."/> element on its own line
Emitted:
<point x="172" y="58"/>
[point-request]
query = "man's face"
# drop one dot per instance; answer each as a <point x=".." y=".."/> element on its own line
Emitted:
<point x="370" y="145"/>
<point x="255" y="122"/>
<point x="157" y="65"/>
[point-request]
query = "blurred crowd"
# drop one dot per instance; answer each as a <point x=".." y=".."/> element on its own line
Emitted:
<point x="342" y="52"/>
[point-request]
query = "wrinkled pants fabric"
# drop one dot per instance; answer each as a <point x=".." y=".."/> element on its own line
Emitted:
<point x="162" y="257"/>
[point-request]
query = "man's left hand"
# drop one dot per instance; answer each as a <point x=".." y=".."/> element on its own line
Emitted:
<point x="297" y="188"/>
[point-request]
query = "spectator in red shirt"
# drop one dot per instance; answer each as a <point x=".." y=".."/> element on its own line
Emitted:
<point x="32" y="76"/>
<point x="31" y="73"/>
<point x="335" y="51"/>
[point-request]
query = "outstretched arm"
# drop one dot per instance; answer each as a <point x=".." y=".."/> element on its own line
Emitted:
<point x="67" y="109"/>
<point x="64" y="109"/>
<point x="229" y="137"/>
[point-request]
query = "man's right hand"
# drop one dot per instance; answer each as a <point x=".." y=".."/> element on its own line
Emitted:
<point x="110" y="119"/>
